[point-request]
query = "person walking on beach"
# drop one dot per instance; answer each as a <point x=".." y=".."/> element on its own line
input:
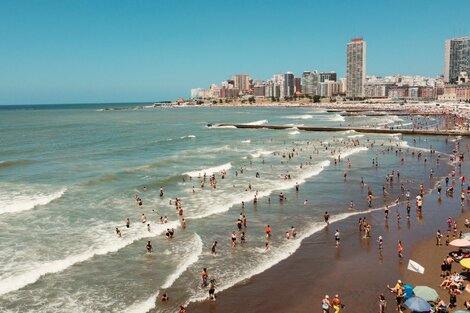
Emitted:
<point x="337" y="305"/>
<point x="382" y="303"/>
<point x="438" y="238"/>
<point x="380" y="241"/>
<point x="337" y="238"/>
<point x="400" y="249"/>
<point x="326" y="304"/>
<point x="212" y="290"/>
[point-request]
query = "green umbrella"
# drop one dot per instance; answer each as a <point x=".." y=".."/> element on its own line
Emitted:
<point x="426" y="293"/>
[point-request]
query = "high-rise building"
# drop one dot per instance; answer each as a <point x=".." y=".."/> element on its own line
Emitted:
<point x="241" y="81"/>
<point x="310" y="82"/>
<point x="456" y="58"/>
<point x="331" y="76"/>
<point x="297" y="85"/>
<point x="289" y="87"/>
<point x="356" y="68"/>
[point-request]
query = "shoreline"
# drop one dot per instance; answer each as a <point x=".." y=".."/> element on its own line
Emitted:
<point x="317" y="267"/>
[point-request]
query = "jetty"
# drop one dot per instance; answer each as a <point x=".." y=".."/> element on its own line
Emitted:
<point x="403" y="131"/>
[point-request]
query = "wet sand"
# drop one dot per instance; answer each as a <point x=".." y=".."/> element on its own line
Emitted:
<point x="356" y="270"/>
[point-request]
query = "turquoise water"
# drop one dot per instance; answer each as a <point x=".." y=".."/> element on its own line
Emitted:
<point x="68" y="177"/>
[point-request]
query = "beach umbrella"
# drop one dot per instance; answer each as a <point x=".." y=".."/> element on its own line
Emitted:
<point x="460" y="243"/>
<point x="426" y="293"/>
<point x="465" y="263"/>
<point x="418" y="305"/>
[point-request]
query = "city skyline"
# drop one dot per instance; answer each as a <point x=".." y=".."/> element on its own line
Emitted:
<point x="88" y="52"/>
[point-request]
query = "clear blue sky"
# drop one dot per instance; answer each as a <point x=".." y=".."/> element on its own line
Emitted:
<point x="71" y="51"/>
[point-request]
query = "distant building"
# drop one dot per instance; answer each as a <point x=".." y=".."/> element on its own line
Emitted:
<point x="241" y="82"/>
<point x="289" y="89"/>
<point x="356" y="68"/>
<point x="310" y="82"/>
<point x="462" y="92"/>
<point x="297" y="85"/>
<point x="456" y="58"/>
<point x="331" y="76"/>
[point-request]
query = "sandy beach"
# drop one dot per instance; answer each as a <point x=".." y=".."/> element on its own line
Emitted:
<point x="356" y="271"/>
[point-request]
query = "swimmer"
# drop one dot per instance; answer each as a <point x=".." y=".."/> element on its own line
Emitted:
<point x="287" y="235"/>
<point x="234" y="239"/>
<point x="161" y="192"/>
<point x="306" y="202"/>
<point x="293" y="232"/>
<point x="268" y="232"/>
<point x="149" y="247"/>
<point x="183" y="223"/>
<point x="128" y="223"/>
<point x="148" y="228"/>
<point x="326" y="216"/>
<point x="144" y="218"/>
<point x="242" y="237"/>
<point x="118" y="232"/>
<point x="204" y="277"/>
<point x="214" y="245"/>
<point x="164" y="298"/>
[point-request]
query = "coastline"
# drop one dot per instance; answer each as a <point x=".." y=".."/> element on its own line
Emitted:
<point x="317" y="268"/>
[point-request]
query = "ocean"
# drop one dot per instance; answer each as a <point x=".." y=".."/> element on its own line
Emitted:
<point x="69" y="174"/>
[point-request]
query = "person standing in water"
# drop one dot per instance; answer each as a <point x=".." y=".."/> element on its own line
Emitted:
<point x="161" y="192"/>
<point x="400" y="249"/>
<point x="337" y="238"/>
<point x="149" y="247"/>
<point x="204" y="277"/>
<point x="214" y="245"/>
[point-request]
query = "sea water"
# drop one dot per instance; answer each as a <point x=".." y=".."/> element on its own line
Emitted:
<point x="69" y="174"/>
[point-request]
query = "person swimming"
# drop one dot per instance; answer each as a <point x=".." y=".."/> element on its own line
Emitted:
<point x="118" y="232"/>
<point x="149" y="247"/>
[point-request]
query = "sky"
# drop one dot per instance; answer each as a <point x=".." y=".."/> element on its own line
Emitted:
<point x="96" y="51"/>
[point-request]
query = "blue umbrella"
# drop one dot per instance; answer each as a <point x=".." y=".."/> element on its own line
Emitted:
<point x="417" y="304"/>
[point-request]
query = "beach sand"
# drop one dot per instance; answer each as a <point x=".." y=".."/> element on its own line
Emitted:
<point x="356" y="270"/>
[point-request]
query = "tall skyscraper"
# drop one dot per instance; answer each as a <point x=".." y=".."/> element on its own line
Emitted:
<point x="289" y="89"/>
<point x="241" y="81"/>
<point x="456" y="58"/>
<point x="356" y="68"/>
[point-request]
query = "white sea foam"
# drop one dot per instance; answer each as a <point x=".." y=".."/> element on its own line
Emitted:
<point x="144" y="306"/>
<point x="209" y="171"/>
<point x="111" y="243"/>
<point x="188" y="137"/>
<point x="18" y="201"/>
<point x="261" y="122"/>
<point x="356" y="136"/>
<point x="148" y="304"/>
<point x="352" y="151"/>
<point x="187" y="262"/>
<point x="221" y="126"/>
<point x="246" y="141"/>
<point x="337" y="118"/>
<point x="300" y="117"/>
<point x="258" y="154"/>
<point x="294" y="132"/>
<point x="274" y="185"/>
